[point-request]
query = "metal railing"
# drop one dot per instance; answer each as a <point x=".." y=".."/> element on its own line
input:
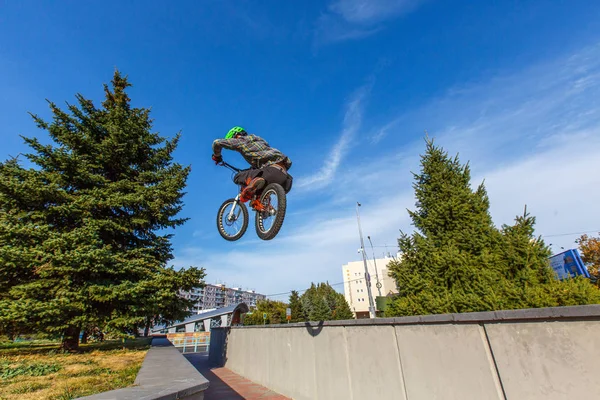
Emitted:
<point x="193" y="344"/>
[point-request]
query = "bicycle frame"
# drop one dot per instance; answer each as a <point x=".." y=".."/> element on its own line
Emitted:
<point x="255" y="204"/>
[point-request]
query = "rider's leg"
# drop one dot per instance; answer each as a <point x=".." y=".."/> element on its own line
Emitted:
<point x="251" y="180"/>
<point x="275" y="175"/>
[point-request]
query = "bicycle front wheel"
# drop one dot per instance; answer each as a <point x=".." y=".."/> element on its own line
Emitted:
<point x="232" y="224"/>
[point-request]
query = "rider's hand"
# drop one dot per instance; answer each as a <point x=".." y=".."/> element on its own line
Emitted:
<point x="217" y="159"/>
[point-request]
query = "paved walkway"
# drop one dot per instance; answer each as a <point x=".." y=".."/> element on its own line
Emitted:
<point x="227" y="385"/>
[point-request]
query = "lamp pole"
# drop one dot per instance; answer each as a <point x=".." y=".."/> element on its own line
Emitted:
<point x="367" y="275"/>
<point x="378" y="284"/>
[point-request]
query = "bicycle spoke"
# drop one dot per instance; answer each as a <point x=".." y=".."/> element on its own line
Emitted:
<point x="267" y="217"/>
<point x="236" y="223"/>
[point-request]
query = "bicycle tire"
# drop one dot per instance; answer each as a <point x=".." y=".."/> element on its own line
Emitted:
<point x="279" y="217"/>
<point x="221" y="228"/>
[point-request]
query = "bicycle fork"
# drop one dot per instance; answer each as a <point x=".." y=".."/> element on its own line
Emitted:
<point x="236" y="201"/>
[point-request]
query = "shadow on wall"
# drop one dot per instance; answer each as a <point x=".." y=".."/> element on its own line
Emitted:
<point x="313" y="330"/>
<point x="217" y="351"/>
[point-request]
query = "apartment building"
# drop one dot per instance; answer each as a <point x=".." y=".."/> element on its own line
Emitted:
<point x="214" y="296"/>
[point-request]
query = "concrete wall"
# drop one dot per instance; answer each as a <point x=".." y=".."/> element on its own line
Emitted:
<point x="548" y="354"/>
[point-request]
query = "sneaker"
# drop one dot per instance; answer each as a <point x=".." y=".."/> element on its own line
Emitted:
<point x="252" y="186"/>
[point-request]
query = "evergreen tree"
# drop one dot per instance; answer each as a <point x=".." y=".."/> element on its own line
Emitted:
<point x="82" y="234"/>
<point x="342" y="308"/>
<point x="456" y="260"/>
<point x="320" y="310"/>
<point x="308" y="299"/>
<point x="524" y="259"/>
<point x="296" y="308"/>
<point x="336" y="303"/>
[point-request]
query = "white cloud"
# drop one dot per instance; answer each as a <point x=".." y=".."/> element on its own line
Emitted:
<point x="355" y="19"/>
<point x="534" y="136"/>
<point x="560" y="186"/>
<point x="352" y="123"/>
<point x="370" y="11"/>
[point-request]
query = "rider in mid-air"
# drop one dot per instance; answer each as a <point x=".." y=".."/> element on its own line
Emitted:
<point x="267" y="164"/>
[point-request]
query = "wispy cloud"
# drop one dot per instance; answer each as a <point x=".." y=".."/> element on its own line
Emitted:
<point x="370" y="11"/>
<point x="352" y="123"/>
<point x="534" y="136"/>
<point x="355" y="19"/>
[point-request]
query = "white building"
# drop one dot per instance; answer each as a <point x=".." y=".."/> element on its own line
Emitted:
<point x="355" y="285"/>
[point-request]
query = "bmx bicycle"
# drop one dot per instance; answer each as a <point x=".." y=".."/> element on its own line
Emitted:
<point x="269" y="204"/>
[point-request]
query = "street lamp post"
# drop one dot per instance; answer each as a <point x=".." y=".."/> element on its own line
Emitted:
<point x="367" y="275"/>
<point x="378" y="284"/>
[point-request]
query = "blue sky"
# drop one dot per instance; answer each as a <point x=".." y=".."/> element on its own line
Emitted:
<point x="346" y="88"/>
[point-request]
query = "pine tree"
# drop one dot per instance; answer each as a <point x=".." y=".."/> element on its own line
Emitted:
<point x="441" y="266"/>
<point x="456" y="260"/>
<point x="524" y="261"/>
<point x="320" y="311"/>
<point x="342" y="308"/>
<point x="308" y="299"/>
<point x="312" y="303"/>
<point x="82" y="234"/>
<point x="296" y="308"/>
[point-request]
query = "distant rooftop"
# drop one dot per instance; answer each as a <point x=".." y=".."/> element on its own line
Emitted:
<point x="243" y="307"/>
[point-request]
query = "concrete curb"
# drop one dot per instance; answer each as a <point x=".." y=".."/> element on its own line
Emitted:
<point x="165" y="374"/>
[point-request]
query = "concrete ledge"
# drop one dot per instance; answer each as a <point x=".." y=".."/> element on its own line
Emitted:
<point x="588" y="312"/>
<point x="165" y="374"/>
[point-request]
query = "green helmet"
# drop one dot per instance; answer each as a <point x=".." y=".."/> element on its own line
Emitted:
<point x="234" y="131"/>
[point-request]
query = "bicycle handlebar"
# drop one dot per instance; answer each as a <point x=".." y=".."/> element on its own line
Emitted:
<point x="231" y="167"/>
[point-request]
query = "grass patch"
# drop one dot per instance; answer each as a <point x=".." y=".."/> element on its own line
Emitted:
<point x="41" y="371"/>
<point x="29" y="387"/>
<point x="7" y="372"/>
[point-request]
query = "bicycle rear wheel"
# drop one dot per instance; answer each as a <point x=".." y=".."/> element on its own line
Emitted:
<point x="269" y="221"/>
<point x="232" y="227"/>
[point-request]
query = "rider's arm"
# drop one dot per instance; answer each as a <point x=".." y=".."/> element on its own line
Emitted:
<point x="231" y="144"/>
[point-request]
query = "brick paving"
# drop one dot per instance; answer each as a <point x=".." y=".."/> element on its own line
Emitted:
<point x="227" y="385"/>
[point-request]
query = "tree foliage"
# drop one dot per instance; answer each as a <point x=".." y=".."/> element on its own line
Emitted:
<point x="321" y="303"/>
<point x="296" y="308"/>
<point x="320" y="310"/>
<point x="590" y="255"/>
<point x="275" y="311"/>
<point x="82" y="228"/>
<point x="456" y="260"/>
